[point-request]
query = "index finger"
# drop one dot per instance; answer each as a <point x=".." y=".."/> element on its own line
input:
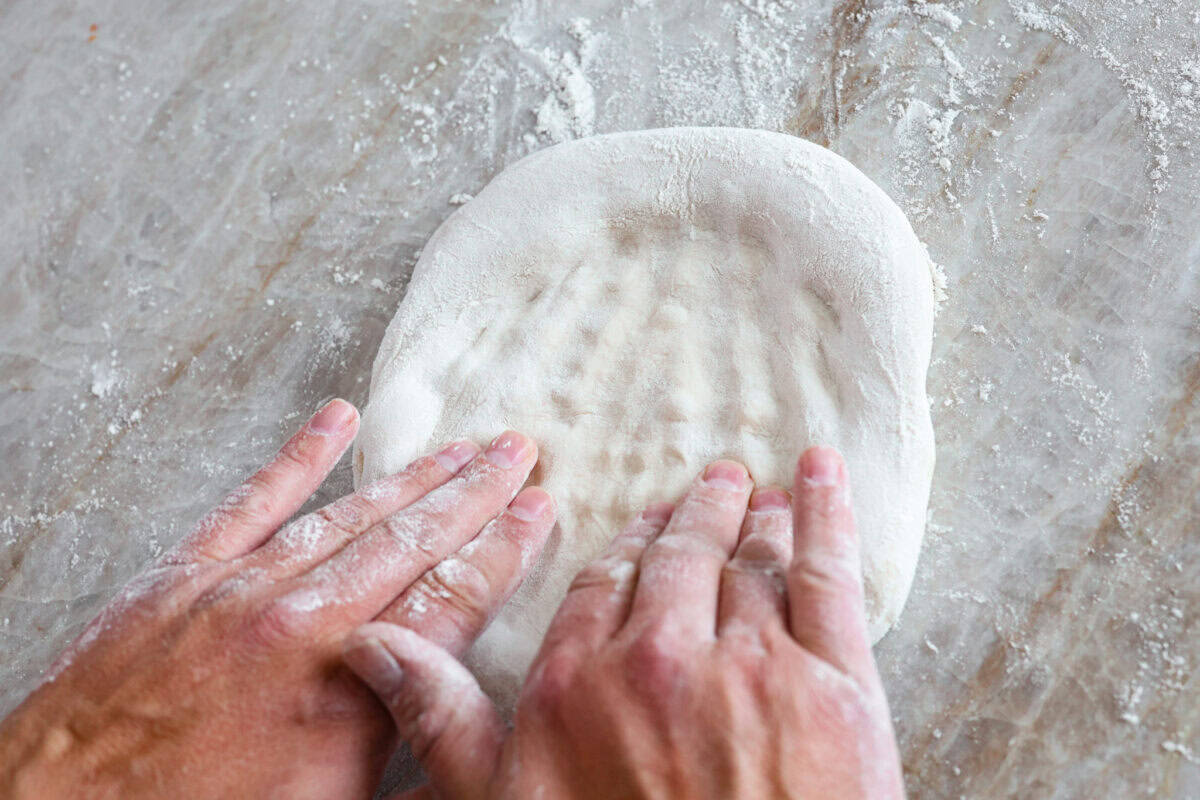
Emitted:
<point x="256" y="509"/>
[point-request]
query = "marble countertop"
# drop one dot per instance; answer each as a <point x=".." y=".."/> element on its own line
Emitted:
<point x="212" y="209"/>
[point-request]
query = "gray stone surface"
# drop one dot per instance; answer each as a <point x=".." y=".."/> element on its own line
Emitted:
<point x="210" y="212"/>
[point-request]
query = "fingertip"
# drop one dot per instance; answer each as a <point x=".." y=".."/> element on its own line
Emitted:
<point x="728" y="475"/>
<point x="820" y="466"/>
<point x="771" y="498"/>
<point x="823" y="517"/>
<point x="535" y="508"/>
<point x="456" y="455"/>
<point x="531" y="504"/>
<point x="334" y="417"/>
<point x="510" y="449"/>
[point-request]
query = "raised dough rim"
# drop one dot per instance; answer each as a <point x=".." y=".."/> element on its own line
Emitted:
<point x="533" y="190"/>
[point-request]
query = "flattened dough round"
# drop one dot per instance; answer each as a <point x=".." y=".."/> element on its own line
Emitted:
<point x="642" y="303"/>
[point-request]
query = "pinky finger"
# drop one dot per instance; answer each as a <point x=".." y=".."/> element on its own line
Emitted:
<point x="254" y="510"/>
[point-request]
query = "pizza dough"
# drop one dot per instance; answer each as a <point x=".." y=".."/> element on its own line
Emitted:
<point x="643" y="303"/>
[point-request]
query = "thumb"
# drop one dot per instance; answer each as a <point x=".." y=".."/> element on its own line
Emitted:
<point x="439" y="709"/>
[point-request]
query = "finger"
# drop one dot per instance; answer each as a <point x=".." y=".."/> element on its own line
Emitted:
<point x="598" y="601"/>
<point x="753" y="590"/>
<point x="361" y="579"/>
<point x="257" y="508"/>
<point x="452" y="604"/>
<point x="451" y="726"/>
<point x="680" y="572"/>
<point x="825" y="593"/>
<point x="316" y="536"/>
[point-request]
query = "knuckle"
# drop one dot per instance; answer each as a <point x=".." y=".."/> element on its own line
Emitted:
<point x="654" y="660"/>
<point x="161" y="590"/>
<point x="176" y="558"/>
<point x="292" y="458"/>
<point x="237" y="585"/>
<point x="399" y="489"/>
<point x="258" y="483"/>
<point x="280" y="621"/>
<point x="630" y="545"/>
<point x="759" y="571"/>
<point x="197" y="546"/>
<point x="424" y="475"/>
<point x="842" y="703"/>
<point x="349" y="515"/>
<point x="825" y="498"/>
<point x="412" y="532"/>
<point x="710" y="497"/>
<point x="684" y="544"/>
<point x="153" y="584"/>
<point x="609" y="573"/>
<point x="259" y="502"/>
<point x="463" y="588"/>
<point x="590" y="577"/>
<point x="302" y="537"/>
<point x="760" y="549"/>
<point x="553" y="679"/>
<point x="826" y="573"/>
<point x="215" y="595"/>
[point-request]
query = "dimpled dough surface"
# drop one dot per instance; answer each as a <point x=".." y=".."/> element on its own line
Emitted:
<point x="642" y="303"/>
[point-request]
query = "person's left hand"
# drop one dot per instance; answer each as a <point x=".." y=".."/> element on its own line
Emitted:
<point x="218" y="673"/>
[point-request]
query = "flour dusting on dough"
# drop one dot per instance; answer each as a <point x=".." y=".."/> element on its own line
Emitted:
<point x="643" y="303"/>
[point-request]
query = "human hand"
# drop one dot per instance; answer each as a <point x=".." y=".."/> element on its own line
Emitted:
<point x="703" y="656"/>
<point x="218" y="673"/>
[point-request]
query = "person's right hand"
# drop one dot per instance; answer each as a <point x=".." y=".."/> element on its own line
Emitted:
<point x="711" y="653"/>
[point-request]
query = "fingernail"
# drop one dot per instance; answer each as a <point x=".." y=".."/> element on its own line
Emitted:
<point x="821" y="466"/>
<point x="658" y="513"/>
<point x="726" y="475"/>
<point x="334" y="416"/>
<point x="375" y="665"/>
<point x="507" y="449"/>
<point x="770" y="500"/>
<point x="530" y="504"/>
<point x="455" y="455"/>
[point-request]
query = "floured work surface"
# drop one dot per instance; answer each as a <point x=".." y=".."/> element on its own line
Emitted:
<point x="212" y="222"/>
